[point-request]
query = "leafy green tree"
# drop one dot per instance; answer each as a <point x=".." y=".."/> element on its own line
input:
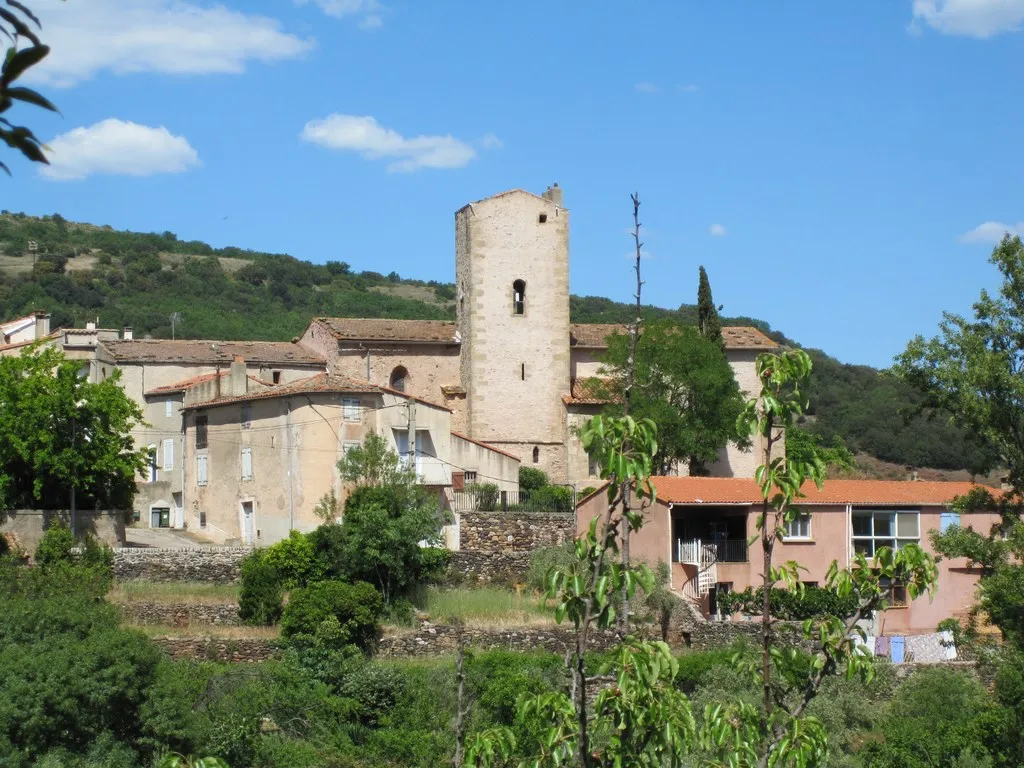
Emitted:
<point x="176" y="760"/>
<point x="684" y="384"/>
<point x="355" y="607"/>
<point x="374" y="463"/>
<point x="64" y="439"/>
<point x="17" y="24"/>
<point x="708" y="322"/>
<point x="801" y="445"/>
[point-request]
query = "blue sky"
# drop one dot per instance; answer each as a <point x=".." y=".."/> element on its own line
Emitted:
<point x="841" y="169"/>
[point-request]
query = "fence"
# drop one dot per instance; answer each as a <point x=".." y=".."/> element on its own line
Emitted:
<point x="724" y="550"/>
<point x="488" y="498"/>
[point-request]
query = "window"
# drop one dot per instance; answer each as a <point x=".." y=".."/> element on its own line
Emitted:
<point x="202" y="423"/>
<point x="350" y="408"/>
<point x="897" y="592"/>
<point x="399" y="378"/>
<point x="522" y="371"/>
<point x="542" y="218"/>
<point x="799" y="527"/>
<point x="519" y="297"/>
<point x="348" y="445"/>
<point x="275" y="377"/>
<point x="169" y="409"/>
<point x="536" y="455"/>
<point x="873" y="529"/>
<point x="151" y="473"/>
<point x="201" y="470"/>
<point x="948" y="519"/>
<point x="247" y="463"/>
<point x="168" y="454"/>
<point x="593" y="469"/>
<point x="246" y="416"/>
<point x="202" y="518"/>
<point x="469" y="477"/>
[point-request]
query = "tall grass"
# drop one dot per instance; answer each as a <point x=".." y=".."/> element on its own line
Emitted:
<point x="173" y="592"/>
<point x="486" y="607"/>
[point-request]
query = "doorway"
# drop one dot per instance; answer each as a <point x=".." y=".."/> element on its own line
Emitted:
<point x="248" y="523"/>
<point x="161" y="517"/>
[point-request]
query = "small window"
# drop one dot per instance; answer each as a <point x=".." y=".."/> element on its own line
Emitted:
<point x="542" y="218"/>
<point x="522" y="371"/>
<point x="169" y="409"/>
<point x="897" y="592"/>
<point x="350" y="407"/>
<point x="202" y="425"/>
<point x="536" y="455"/>
<point x="348" y="445"/>
<point x="151" y="474"/>
<point x="202" y="518"/>
<point x="168" y="455"/>
<point x="275" y="377"/>
<point x="519" y="297"/>
<point x="469" y="477"/>
<point x="799" y="527"/>
<point x="246" y="416"/>
<point x="247" y="463"/>
<point x="947" y="520"/>
<point x="202" y="475"/>
<point x="399" y="378"/>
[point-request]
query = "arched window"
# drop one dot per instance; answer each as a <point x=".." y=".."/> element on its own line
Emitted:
<point x="519" y="297"/>
<point x="536" y="455"/>
<point x="399" y="378"/>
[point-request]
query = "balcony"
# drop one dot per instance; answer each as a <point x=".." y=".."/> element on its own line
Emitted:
<point x="690" y="551"/>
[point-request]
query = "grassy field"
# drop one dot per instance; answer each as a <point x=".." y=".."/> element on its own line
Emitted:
<point x="486" y="607"/>
<point x="199" y="593"/>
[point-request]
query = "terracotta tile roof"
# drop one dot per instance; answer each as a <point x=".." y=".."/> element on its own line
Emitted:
<point x="594" y="335"/>
<point x="319" y="384"/>
<point x="210" y="352"/>
<point x="371" y="329"/>
<point x="735" y="490"/>
<point x="181" y="386"/>
<point x="488" y="446"/>
<point x="587" y="391"/>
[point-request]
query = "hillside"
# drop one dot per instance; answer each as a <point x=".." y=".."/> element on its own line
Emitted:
<point x="81" y="272"/>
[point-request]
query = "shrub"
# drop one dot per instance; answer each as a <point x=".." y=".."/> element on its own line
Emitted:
<point x="328" y="543"/>
<point x="376" y="688"/>
<point x="788" y="605"/>
<point x="694" y="667"/>
<point x="486" y="496"/>
<point x="261" y="596"/>
<point x="546" y="558"/>
<point x="551" y="498"/>
<point x="531" y="479"/>
<point x="357" y="608"/>
<point x="55" y="546"/>
<point x="294" y="560"/>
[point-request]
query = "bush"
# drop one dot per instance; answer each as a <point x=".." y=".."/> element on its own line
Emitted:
<point x="261" y="597"/>
<point x="357" y="608"/>
<point x="544" y="559"/>
<point x="56" y="545"/>
<point x="328" y="542"/>
<point x="295" y="561"/>
<point x="531" y="479"/>
<point x="788" y="605"/>
<point x="551" y="498"/>
<point x="486" y="496"/>
<point x="376" y="688"/>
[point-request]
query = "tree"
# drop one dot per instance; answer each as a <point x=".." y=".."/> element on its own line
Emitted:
<point x="684" y="383"/>
<point x="374" y="463"/>
<point x="63" y="439"/>
<point x="707" y="313"/>
<point x="801" y="445"/>
<point x="16" y="25"/>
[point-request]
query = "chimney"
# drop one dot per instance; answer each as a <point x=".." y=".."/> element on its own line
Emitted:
<point x="127" y="335"/>
<point x="90" y="325"/>
<point x="42" y="324"/>
<point x="912" y="474"/>
<point x="239" y="377"/>
<point x="554" y="194"/>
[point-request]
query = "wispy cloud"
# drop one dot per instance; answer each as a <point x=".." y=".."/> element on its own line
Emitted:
<point x="717" y="230"/>
<point x="364" y="135"/>
<point x="170" y="36"/>
<point x="117" y="148"/>
<point x="688" y="88"/>
<point x="646" y="87"/>
<point x="368" y="11"/>
<point x="971" y="18"/>
<point x="991" y="232"/>
<point x="490" y="141"/>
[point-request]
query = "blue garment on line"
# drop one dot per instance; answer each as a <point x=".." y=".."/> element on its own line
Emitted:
<point x="897" y="646"/>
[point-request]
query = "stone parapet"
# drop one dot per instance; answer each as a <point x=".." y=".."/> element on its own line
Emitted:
<point x="211" y="564"/>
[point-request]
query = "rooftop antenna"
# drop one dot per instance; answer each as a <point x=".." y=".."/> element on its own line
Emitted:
<point x="175" y="319"/>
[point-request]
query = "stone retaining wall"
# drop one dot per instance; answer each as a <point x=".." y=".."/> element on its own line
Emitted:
<point x="27" y="526"/>
<point x="181" y="614"/>
<point x="489" y="567"/>
<point x="213" y="564"/>
<point x="514" y="531"/>
<point x="436" y="639"/>
<point x="217" y="649"/>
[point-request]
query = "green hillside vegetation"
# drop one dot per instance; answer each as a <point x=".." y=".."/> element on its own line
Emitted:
<point x="81" y="272"/>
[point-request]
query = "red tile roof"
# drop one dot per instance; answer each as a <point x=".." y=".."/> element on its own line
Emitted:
<point x="587" y="391"/>
<point x="181" y="386"/>
<point x="735" y="490"/>
<point x="210" y="352"/>
<point x="594" y="336"/>
<point x="373" y="329"/>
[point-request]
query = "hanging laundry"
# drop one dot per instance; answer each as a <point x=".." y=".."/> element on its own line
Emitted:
<point x="896" y="646"/>
<point x="882" y="646"/>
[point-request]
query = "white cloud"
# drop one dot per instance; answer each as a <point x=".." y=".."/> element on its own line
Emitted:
<point x="646" y="87"/>
<point x="490" y="141"/>
<point x="170" y="36"/>
<point x="363" y="134"/>
<point x="688" y="88"/>
<point x="991" y="232"/>
<point x="339" y="9"/>
<point x="717" y="230"/>
<point x="117" y="148"/>
<point x="973" y="18"/>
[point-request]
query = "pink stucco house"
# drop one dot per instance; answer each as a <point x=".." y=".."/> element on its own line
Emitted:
<point x="701" y="527"/>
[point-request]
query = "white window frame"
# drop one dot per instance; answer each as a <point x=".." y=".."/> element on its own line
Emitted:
<point x="352" y="409"/>
<point x="169" y="409"/>
<point x="794" y="526"/>
<point x="168" y="454"/>
<point x="246" y="455"/>
<point x="469" y="476"/>
<point x="202" y="470"/>
<point x="873" y="542"/>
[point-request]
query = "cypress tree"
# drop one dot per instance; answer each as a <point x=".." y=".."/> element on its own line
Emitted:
<point x="707" y="313"/>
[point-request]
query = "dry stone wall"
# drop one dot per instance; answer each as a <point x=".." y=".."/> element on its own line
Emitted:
<point x="217" y="649"/>
<point x="503" y="532"/>
<point x="213" y="564"/>
<point x="435" y="639"/>
<point x="489" y="567"/>
<point x="181" y="614"/>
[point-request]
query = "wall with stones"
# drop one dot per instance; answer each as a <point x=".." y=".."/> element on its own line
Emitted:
<point x="435" y="639"/>
<point x="181" y="614"/>
<point x="27" y="526"/>
<point x="213" y="564"/>
<point x="489" y="567"/>
<point x="513" y="531"/>
<point x="217" y="649"/>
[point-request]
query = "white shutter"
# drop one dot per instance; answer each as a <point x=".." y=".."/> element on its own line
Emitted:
<point x="168" y="454"/>
<point x="247" y="463"/>
<point x="169" y="409"/>
<point x="201" y="476"/>
<point x="350" y="408"/>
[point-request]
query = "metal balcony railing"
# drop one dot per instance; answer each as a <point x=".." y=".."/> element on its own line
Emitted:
<point x="689" y="551"/>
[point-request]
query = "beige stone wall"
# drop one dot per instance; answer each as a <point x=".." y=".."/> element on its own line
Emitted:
<point x="490" y="466"/>
<point x="515" y="368"/>
<point x="585" y="363"/>
<point x="578" y="460"/>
